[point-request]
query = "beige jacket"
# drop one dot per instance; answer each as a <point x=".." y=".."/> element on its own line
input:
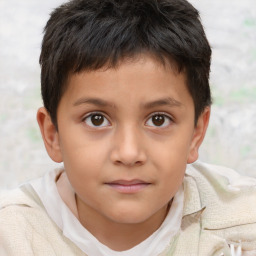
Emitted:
<point x="215" y="216"/>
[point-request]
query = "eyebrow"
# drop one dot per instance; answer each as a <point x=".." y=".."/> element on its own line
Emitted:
<point x="93" y="101"/>
<point x="169" y="101"/>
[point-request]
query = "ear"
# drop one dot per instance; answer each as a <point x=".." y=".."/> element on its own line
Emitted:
<point x="50" y="135"/>
<point x="198" y="135"/>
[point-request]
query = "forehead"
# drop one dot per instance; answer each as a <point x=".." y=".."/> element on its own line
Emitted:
<point x="136" y="80"/>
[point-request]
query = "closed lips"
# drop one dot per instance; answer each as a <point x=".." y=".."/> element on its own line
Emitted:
<point x="126" y="186"/>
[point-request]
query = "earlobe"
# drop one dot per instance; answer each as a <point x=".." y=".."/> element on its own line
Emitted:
<point x="49" y="134"/>
<point x="198" y="135"/>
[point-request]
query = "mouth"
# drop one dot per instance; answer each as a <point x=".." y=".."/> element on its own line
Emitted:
<point x="128" y="186"/>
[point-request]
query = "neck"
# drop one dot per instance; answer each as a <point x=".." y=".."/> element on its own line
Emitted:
<point x="119" y="236"/>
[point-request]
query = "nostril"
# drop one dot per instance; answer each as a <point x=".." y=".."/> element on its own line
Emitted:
<point x="129" y="152"/>
<point x="118" y="162"/>
<point x="130" y="164"/>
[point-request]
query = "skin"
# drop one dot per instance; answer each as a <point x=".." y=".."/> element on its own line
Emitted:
<point x="126" y="170"/>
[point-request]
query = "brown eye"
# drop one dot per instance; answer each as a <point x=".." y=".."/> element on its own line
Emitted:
<point x="96" y="120"/>
<point x="159" y="120"/>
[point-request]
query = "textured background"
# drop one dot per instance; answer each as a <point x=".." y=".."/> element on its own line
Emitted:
<point x="231" y="138"/>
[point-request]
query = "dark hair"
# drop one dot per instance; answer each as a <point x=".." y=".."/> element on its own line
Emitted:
<point x="91" y="34"/>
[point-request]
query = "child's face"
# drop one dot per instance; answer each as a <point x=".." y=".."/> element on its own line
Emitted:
<point x="125" y="136"/>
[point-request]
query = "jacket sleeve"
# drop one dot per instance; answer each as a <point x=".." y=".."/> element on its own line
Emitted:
<point x="28" y="231"/>
<point x="15" y="233"/>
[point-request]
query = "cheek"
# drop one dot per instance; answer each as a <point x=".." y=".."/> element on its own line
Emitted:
<point x="171" y="151"/>
<point x="83" y="167"/>
<point x="84" y="160"/>
<point x="173" y="169"/>
<point x="170" y="159"/>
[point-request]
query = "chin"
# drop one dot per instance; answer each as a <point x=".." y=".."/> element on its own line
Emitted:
<point x="131" y="216"/>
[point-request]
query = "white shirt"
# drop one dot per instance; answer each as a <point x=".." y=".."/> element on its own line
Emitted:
<point x="58" y="198"/>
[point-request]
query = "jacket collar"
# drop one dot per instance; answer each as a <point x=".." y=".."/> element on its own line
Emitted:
<point x="192" y="200"/>
<point x="207" y="195"/>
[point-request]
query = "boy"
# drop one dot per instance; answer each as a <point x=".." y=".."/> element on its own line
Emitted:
<point x="126" y="107"/>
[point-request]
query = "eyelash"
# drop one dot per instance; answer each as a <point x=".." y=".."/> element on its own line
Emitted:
<point x="166" y="117"/>
<point x="95" y="114"/>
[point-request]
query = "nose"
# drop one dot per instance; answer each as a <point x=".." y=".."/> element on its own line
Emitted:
<point x="128" y="148"/>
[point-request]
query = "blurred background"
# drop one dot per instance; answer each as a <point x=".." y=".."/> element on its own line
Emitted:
<point x="231" y="139"/>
